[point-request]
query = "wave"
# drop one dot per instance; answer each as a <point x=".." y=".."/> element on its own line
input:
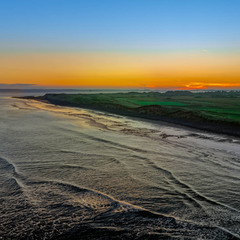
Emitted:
<point x="60" y="210"/>
<point x="105" y="212"/>
<point x="188" y="191"/>
<point x="7" y="168"/>
<point x="112" y="143"/>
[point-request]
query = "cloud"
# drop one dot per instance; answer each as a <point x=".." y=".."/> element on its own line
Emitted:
<point x="17" y="86"/>
<point x="202" y="85"/>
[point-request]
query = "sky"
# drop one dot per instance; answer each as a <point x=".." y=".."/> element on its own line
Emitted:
<point x="179" y="44"/>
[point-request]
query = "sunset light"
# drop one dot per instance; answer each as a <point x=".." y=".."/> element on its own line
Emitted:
<point x="124" y="44"/>
<point x="119" y="119"/>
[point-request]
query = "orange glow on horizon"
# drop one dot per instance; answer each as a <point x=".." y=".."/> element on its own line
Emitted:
<point x="191" y="70"/>
<point x="201" y="85"/>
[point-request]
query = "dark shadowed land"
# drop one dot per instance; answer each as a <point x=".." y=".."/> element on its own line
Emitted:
<point x="217" y="111"/>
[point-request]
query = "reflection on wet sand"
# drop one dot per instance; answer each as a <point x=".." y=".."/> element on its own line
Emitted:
<point x="72" y="173"/>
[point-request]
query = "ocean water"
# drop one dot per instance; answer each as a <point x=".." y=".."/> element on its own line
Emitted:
<point x="68" y="173"/>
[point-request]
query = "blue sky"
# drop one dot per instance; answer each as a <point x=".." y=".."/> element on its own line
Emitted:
<point x="71" y="25"/>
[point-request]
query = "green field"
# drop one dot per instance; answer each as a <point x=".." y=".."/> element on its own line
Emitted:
<point x="213" y="105"/>
<point x="217" y="111"/>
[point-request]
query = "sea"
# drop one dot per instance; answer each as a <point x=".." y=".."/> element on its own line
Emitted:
<point x="72" y="173"/>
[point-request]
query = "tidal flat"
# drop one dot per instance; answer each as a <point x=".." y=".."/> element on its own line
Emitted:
<point x="76" y="173"/>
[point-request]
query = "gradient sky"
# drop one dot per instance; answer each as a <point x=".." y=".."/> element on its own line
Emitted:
<point x="121" y="43"/>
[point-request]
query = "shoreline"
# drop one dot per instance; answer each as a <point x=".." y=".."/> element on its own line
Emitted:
<point x="154" y="112"/>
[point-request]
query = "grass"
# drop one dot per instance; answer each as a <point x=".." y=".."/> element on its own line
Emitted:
<point x="212" y="105"/>
<point x="163" y="103"/>
<point x="214" y="111"/>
